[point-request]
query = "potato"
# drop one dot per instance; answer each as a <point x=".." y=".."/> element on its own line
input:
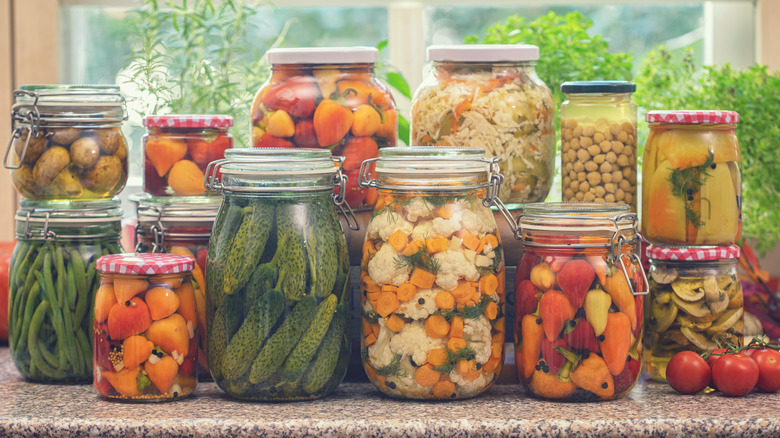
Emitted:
<point x="104" y="175"/>
<point x="84" y="152"/>
<point x="109" y="140"/>
<point x="51" y="162"/>
<point x="34" y="148"/>
<point x="63" y="136"/>
<point x="65" y="185"/>
<point x="121" y="151"/>
<point x="24" y="181"/>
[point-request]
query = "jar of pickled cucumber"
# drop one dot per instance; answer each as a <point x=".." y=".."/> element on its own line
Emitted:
<point x="278" y="301"/>
<point x="598" y="142"/>
<point x="691" y="178"/>
<point x="578" y="301"/>
<point x="695" y="303"/>
<point x="67" y="142"/>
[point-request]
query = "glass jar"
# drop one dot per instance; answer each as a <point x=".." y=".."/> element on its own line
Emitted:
<point x="432" y="275"/>
<point x="579" y="301"/>
<point x="145" y="342"/>
<point x="695" y="303"/>
<point x="53" y="283"/>
<point x="278" y="296"/>
<point x="490" y="96"/>
<point x="598" y="142"/>
<point x="180" y="225"/>
<point x="327" y="97"/>
<point x="177" y="149"/>
<point x="67" y="142"/>
<point x="691" y="178"/>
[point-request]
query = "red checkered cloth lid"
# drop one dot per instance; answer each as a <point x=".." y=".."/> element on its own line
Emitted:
<point x="145" y="264"/>
<point x="189" y="121"/>
<point x="704" y="253"/>
<point x="693" y="117"/>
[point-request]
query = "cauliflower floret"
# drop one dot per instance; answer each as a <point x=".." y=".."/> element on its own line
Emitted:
<point x="404" y="384"/>
<point x="476" y="333"/>
<point x="478" y="223"/>
<point x="438" y="227"/>
<point x="383" y="270"/>
<point x="423" y="231"/>
<point x="413" y="341"/>
<point x="468" y="388"/>
<point x="380" y="354"/>
<point x="417" y="209"/>
<point x="422" y="304"/>
<point x="387" y="223"/>
<point x="452" y="266"/>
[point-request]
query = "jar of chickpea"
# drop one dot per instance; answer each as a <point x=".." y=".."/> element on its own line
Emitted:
<point x="598" y="142"/>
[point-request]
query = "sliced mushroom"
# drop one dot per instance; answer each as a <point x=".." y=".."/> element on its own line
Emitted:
<point x="688" y="289"/>
<point x="698" y="309"/>
<point x="694" y="325"/>
<point x="724" y="338"/>
<point x="663" y="276"/>
<point x="725" y="321"/>
<point x="725" y="282"/>
<point x="664" y="313"/>
<point x="719" y="304"/>
<point x="751" y="326"/>
<point x="710" y="287"/>
<point x="663" y="297"/>
<point x="679" y="338"/>
<point x="700" y="341"/>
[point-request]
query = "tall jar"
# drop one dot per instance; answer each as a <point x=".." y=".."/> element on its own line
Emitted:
<point x="579" y="301"/>
<point x="691" y="179"/>
<point x="329" y="98"/>
<point x="695" y="303"/>
<point x="67" y="142"/>
<point x="180" y="225"/>
<point x="598" y="142"/>
<point x="278" y="301"/>
<point x="52" y="285"/>
<point x="432" y="275"/>
<point x="490" y="96"/>
<point x="177" y="149"/>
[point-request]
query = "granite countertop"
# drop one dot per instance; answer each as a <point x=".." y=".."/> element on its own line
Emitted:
<point x="358" y="409"/>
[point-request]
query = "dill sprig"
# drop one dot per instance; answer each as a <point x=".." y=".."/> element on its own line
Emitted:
<point x="496" y="262"/>
<point x="453" y="357"/>
<point x="421" y="259"/>
<point x="468" y="312"/>
<point x="391" y="369"/>
<point x="686" y="182"/>
<point x="392" y="208"/>
<point x="371" y="316"/>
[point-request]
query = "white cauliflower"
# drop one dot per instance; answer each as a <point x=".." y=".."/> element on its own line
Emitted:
<point x="468" y="388"/>
<point x="478" y="223"/>
<point x="476" y="333"/>
<point x="418" y="208"/>
<point x="452" y="266"/>
<point x="438" y="227"/>
<point x="404" y="384"/>
<point x="423" y="231"/>
<point x="421" y="305"/>
<point x="383" y="270"/>
<point x="387" y="223"/>
<point x="413" y="341"/>
<point x="380" y="354"/>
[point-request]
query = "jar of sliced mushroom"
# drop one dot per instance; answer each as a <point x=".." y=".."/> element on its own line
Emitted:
<point x="695" y="303"/>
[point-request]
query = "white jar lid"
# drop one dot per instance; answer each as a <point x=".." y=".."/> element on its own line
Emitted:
<point x="323" y="55"/>
<point x="484" y="53"/>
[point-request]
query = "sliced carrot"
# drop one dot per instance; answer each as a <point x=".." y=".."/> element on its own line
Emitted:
<point x="437" y="245"/>
<point x="446" y="211"/>
<point x="445" y="300"/>
<point x="475" y="296"/>
<point x="491" y="365"/>
<point x="365" y="327"/>
<point x="412" y="248"/>
<point x="369" y="340"/>
<point x="436" y="326"/>
<point x="375" y="329"/>
<point x="456" y="327"/>
<point x="394" y="323"/>
<point x="398" y="240"/>
<point x="387" y="304"/>
<point x="481" y="245"/>
<point x="500" y="324"/>
<point x="469" y="240"/>
<point x="437" y="356"/>
<point x="491" y="240"/>
<point x="426" y="375"/>
<point x="467" y="368"/>
<point x="422" y="278"/>
<point x="501" y="275"/>
<point x="369" y="285"/>
<point x="462" y="291"/>
<point x="498" y="338"/>
<point x="382" y="202"/>
<point x="368" y="250"/>
<point x="497" y="349"/>
<point x="443" y="389"/>
<point x="406" y="291"/>
<point x="491" y="311"/>
<point x="371" y="196"/>
<point x="488" y="284"/>
<point x="373" y="296"/>
<point x="389" y="288"/>
<point x="456" y="344"/>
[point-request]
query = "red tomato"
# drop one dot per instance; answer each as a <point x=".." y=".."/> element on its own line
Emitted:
<point x="768" y="362"/>
<point x="735" y="374"/>
<point x="714" y="356"/>
<point x="357" y="150"/>
<point x="687" y="372"/>
<point x="354" y="195"/>
<point x="203" y="152"/>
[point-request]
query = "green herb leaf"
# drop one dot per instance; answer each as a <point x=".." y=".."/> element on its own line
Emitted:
<point x="465" y="353"/>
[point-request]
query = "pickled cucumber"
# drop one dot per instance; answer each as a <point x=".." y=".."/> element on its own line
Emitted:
<point x="302" y="354"/>
<point x="327" y="355"/>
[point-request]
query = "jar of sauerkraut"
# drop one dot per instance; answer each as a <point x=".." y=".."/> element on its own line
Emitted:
<point x="490" y="96"/>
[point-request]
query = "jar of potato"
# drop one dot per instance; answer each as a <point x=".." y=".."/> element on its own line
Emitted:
<point x="67" y="142"/>
<point x="598" y="142"/>
<point x="695" y="303"/>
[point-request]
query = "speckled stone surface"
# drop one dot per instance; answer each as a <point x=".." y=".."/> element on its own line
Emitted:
<point x="356" y="409"/>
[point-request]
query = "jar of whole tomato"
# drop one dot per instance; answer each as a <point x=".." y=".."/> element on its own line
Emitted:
<point x="695" y="303"/>
<point x="327" y="97"/>
<point x="489" y="95"/>
<point x="145" y="340"/>
<point x="691" y="178"/>
<point x="67" y="142"/>
<point x="579" y="301"/>
<point x="177" y="149"/>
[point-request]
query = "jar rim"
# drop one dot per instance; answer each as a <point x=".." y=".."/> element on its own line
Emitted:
<point x="151" y="209"/>
<point x="573" y="218"/>
<point x="483" y="53"/>
<point x="323" y="55"/>
<point x="69" y="105"/>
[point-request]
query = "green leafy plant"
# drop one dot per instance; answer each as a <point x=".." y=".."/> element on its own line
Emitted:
<point x="392" y="77"/>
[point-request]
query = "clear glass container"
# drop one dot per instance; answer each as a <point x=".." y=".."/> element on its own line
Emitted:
<point x="579" y="301"/>
<point x="695" y="303"/>
<point x="691" y="179"/>
<point x="53" y="283"/>
<point x="490" y="96"/>
<point x="278" y="296"/>
<point x="598" y="142"/>
<point x="67" y="142"/>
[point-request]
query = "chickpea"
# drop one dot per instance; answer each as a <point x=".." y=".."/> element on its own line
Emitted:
<point x="632" y="178"/>
<point x="594" y="150"/>
<point x="584" y="186"/>
<point x="620" y="194"/>
<point x="566" y="181"/>
<point x="599" y="191"/>
<point x="575" y="185"/>
<point x="614" y="129"/>
<point x="598" y="137"/>
<point x="565" y="146"/>
<point x="629" y="198"/>
<point x="622" y="137"/>
<point x="586" y="142"/>
<point x="626" y="173"/>
<point x="628" y="127"/>
<point x="577" y="132"/>
<point x="573" y="175"/>
<point x="605" y="167"/>
<point x="617" y="146"/>
<point x="575" y="143"/>
<point x="622" y="160"/>
<point x="599" y="200"/>
<point x="594" y="178"/>
<point x="566" y="134"/>
<point x="607" y="135"/>
<point x="582" y="155"/>
<point x="630" y="139"/>
<point x="609" y="198"/>
<point x="579" y="196"/>
<point x="568" y="167"/>
<point x="571" y="123"/>
<point x="611" y="157"/>
<point x="582" y="176"/>
<point x="571" y="155"/>
<point x="591" y="166"/>
<point x="609" y="187"/>
<point x="588" y="197"/>
<point x="578" y="166"/>
<point x="598" y="159"/>
<point x="568" y="194"/>
<point x="607" y="177"/>
<point x="605" y="146"/>
<point x="617" y="176"/>
<point x="588" y="131"/>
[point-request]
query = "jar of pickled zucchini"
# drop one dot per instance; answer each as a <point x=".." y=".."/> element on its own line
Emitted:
<point x="180" y="225"/>
<point x="278" y="302"/>
<point x="598" y="142"/>
<point x="144" y="336"/>
<point x="579" y="301"/>
<point x="432" y="274"/>
<point x="67" y="142"/>
<point x="691" y="178"/>
<point x="695" y="303"/>
<point x="490" y="96"/>
<point x="177" y="149"/>
<point x="52" y="285"/>
<point x="330" y="98"/>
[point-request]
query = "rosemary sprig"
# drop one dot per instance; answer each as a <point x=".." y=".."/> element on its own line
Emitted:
<point x="421" y="259"/>
<point x="465" y="353"/>
<point x="687" y="182"/>
<point x="468" y="312"/>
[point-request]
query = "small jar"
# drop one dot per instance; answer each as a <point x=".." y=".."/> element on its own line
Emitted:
<point x="578" y="301"/>
<point x="691" y="179"/>
<point x="598" y="142"/>
<point x="432" y="275"/>
<point x="52" y="285"/>
<point x="695" y="303"/>
<point x="67" y="142"/>
<point x="177" y="149"/>
<point x="145" y="342"/>
<point x="490" y="96"/>
<point x="327" y="97"/>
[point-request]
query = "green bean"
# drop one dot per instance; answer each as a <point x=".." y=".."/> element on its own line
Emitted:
<point x="62" y="276"/>
<point x="50" y="358"/>
<point x="78" y="269"/>
<point x="36" y="267"/>
<point x="20" y="269"/>
<point x="57" y="319"/>
<point x="80" y="301"/>
<point x="32" y="339"/>
<point x="86" y="348"/>
<point x="20" y="255"/>
<point x="29" y="308"/>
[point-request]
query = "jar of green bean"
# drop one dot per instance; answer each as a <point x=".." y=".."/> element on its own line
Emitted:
<point x="52" y="285"/>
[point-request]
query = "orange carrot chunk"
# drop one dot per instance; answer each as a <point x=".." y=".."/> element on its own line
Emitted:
<point x="456" y="327"/>
<point x="387" y="304"/>
<point x="436" y="326"/>
<point x="456" y="344"/>
<point x="491" y="311"/>
<point x="443" y="389"/>
<point x="488" y="284"/>
<point x="406" y="291"/>
<point x="398" y="240"/>
<point x="437" y="357"/>
<point x="427" y="376"/>
<point x="445" y="300"/>
<point x="394" y="323"/>
<point x="422" y="278"/>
